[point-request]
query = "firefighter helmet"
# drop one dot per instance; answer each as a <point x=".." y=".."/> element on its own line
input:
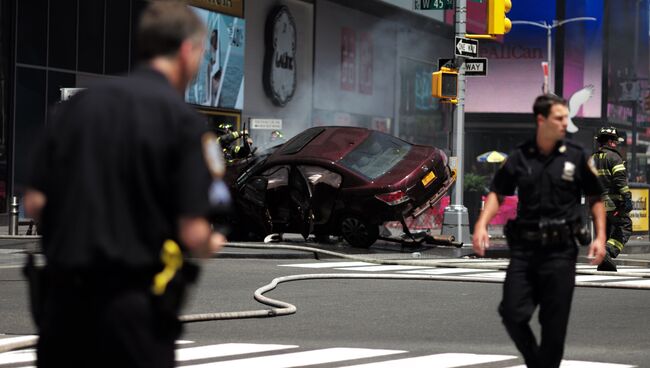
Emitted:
<point x="608" y="132"/>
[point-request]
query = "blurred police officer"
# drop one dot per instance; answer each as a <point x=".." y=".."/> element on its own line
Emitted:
<point x="616" y="196"/>
<point x="550" y="174"/>
<point x="121" y="169"/>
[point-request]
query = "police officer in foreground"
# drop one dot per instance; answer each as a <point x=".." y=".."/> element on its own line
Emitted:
<point x="616" y="196"/>
<point x="550" y="174"/>
<point x="121" y="172"/>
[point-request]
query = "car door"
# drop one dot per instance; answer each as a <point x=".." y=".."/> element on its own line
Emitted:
<point x="325" y="186"/>
<point x="300" y="197"/>
<point x="252" y="201"/>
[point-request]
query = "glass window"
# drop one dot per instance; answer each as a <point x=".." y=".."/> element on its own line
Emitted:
<point x="32" y="31"/>
<point x="117" y="36"/>
<point x="91" y="40"/>
<point x="301" y="140"/>
<point x="278" y="176"/>
<point x="317" y="174"/>
<point x="29" y="119"/>
<point x="376" y="155"/>
<point x="63" y="33"/>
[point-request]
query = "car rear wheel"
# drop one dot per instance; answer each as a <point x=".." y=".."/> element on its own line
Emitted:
<point x="358" y="232"/>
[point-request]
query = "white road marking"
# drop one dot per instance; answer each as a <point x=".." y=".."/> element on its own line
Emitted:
<point x="582" y="364"/>
<point x="378" y="268"/>
<point x="448" y="360"/>
<point x="445" y="271"/>
<point x="328" y="264"/>
<point x="311" y="357"/>
<point x="18" y="356"/>
<point x="640" y="282"/>
<point x="593" y="278"/>
<point x="222" y="350"/>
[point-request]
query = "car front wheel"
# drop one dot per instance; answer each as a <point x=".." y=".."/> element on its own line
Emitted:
<point x="358" y="232"/>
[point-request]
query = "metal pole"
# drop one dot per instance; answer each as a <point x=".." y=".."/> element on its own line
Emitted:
<point x="635" y="63"/>
<point x="13" y="216"/>
<point x="551" y="85"/>
<point x="456" y="220"/>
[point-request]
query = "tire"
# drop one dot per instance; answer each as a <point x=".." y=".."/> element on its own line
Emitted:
<point x="358" y="232"/>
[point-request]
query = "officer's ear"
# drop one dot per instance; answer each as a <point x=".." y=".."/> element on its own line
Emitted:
<point x="539" y="118"/>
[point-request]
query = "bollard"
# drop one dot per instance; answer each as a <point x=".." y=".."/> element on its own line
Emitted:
<point x="13" y="216"/>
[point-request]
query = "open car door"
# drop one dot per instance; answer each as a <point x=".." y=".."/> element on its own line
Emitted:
<point x="252" y="202"/>
<point x="300" y="196"/>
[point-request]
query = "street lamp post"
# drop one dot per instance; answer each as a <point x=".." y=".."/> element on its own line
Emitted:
<point x="549" y="27"/>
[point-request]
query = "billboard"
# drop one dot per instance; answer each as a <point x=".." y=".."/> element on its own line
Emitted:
<point x="219" y="82"/>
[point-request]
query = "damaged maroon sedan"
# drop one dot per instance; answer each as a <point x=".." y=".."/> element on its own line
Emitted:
<point x="343" y="181"/>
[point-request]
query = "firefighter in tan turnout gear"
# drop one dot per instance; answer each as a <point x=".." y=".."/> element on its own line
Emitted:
<point x="617" y="196"/>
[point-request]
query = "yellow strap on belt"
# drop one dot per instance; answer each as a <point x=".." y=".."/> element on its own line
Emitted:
<point x="172" y="258"/>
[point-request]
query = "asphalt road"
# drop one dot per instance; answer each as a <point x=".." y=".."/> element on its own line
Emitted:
<point x="372" y="321"/>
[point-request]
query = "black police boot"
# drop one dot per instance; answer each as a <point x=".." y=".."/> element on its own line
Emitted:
<point x="608" y="263"/>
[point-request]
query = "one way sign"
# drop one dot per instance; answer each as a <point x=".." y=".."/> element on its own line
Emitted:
<point x="466" y="47"/>
<point x="476" y="66"/>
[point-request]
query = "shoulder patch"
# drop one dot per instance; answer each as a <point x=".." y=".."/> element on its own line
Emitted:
<point x="213" y="155"/>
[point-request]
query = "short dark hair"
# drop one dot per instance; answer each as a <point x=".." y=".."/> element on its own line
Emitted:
<point x="544" y="103"/>
<point x="163" y="27"/>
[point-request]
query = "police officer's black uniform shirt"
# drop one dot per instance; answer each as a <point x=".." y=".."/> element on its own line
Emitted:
<point x="549" y="187"/>
<point x="119" y="164"/>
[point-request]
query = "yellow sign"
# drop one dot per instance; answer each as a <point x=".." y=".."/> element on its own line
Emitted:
<point x="639" y="214"/>
<point x="231" y="7"/>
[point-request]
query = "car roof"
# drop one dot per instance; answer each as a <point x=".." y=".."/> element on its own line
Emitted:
<point x="329" y="143"/>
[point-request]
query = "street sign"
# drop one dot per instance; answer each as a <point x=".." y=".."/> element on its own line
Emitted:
<point x="443" y="62"/>
<point x="433" y="4"/>
<point x="476" y="67"/>
<point x="465" y="47"/>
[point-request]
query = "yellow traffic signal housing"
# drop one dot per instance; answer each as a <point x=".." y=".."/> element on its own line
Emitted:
<point x="444" y="83"/>
<point x="497" y="22"/>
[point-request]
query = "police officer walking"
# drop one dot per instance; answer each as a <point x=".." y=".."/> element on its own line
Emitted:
<point x="616" y="196"/>
<point x="121" y="169"/>
<point x="550" y="174"/>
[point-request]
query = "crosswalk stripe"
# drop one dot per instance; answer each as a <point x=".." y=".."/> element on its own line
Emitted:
<point x="591" y="278"/>
<point x="222" y="350"/>
<point x="445" y="271"/>
<point x="18" y="356"/>
<point x="449" y="360"/>
<point x="582" y="364"/>
<point x="381" y="268"/>
<point x="311" y="357"/>
<point x="641" y="282"/>
<point x="328" y="264"/>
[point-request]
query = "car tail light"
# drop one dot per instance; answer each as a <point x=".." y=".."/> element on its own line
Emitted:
<point x="393" y="198"/>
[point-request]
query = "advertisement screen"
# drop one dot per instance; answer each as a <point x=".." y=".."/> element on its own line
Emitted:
<point x="220" y="80"/>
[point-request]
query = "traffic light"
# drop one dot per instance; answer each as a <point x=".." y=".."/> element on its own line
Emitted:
<point x="497" y="22"/>
<point x="444" y="83"/>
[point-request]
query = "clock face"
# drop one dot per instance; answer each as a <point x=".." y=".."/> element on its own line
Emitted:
<point x="281" y="56"/>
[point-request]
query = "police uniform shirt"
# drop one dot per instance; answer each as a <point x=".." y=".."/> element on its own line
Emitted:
<point x="119" y="164"/>
<point x="550" y="186"/>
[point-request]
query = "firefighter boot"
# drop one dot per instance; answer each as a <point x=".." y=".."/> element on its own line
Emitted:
<point x="608" y="262"/>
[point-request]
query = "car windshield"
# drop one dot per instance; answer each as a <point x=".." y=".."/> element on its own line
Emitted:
<point x="376" y="155"/>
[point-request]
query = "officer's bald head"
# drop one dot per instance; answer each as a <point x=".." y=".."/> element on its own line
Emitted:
<point x="164" y="26"/>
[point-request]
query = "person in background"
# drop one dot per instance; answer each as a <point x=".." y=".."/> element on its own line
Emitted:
<point x="119" y="180"/>
<point x="616" y="194"/>
<point x="550" y="173"/>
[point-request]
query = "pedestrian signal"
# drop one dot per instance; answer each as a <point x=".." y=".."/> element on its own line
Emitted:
<point x="444" y="83"/>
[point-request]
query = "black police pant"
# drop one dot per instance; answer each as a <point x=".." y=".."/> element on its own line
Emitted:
<point x="84" y="326"/>
<point x="544" y="278"/>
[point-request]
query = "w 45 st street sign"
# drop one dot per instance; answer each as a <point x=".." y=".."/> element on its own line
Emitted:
<point x="433" y="4"/>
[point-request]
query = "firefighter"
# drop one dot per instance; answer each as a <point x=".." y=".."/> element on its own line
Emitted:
<point x="227" y="139"/>
<point x="617" y="196"/>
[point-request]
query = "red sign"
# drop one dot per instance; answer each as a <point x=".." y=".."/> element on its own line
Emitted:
<point x="365" y="63"/>
<point x="348" y="59"/>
